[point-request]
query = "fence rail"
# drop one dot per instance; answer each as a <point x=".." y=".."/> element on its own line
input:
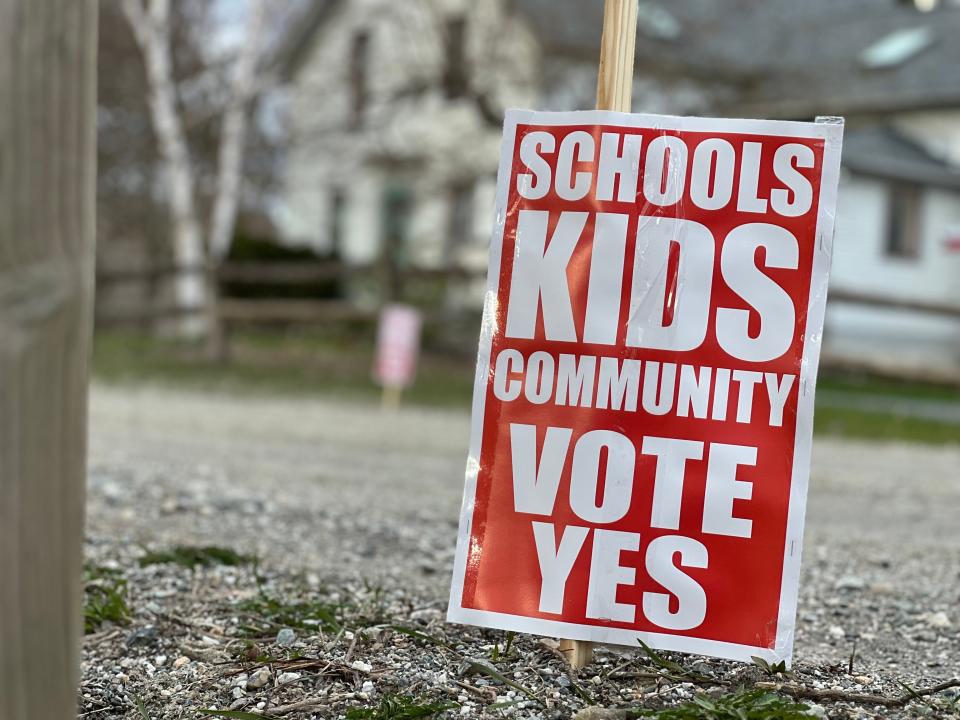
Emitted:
<point x="232" y="311"/>
<point x="285" y="272"/>
<point x="259" y="310"/>
<point x="852" y="297"/>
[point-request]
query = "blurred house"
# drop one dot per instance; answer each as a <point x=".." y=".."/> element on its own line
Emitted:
<point x="395" y="114"/>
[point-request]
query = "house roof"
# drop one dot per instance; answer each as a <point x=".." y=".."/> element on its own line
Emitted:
<point x="307" y="22"/>
<point x="886" y="153"/>
<point x="791" y="58"/>
<point x="784" y="57"/>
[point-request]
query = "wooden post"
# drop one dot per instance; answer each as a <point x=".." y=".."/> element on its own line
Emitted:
<point x="47" y="190"/>
<point x="614" y="92"/>
<point x="615" y="80"/>
<point x="390" y="398"/>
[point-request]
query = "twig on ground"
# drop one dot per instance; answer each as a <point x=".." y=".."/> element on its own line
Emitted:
<point x="488" y="694"/>
<point x="353" y="644"/>
<point x="806" y="693"/>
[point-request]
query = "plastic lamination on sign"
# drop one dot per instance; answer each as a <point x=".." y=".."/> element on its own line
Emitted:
<point x="643" y="406"/>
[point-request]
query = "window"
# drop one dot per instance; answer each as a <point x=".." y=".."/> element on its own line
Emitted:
<point x="359" y="75"/>
<point x="896" y="48"/>
<point x="396" y="214"/>
<point x="460" y="218"/>
<point x="455" y="70"/>
<point x="904" y="221"/>
<point x="338" y="203"/>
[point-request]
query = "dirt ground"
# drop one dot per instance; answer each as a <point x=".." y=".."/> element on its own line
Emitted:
<point x="360" y="507"/>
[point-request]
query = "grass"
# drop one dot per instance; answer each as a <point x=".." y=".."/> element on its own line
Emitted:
<point x="189" y="557"/>
<point x="399" y="707"/>
<point x="865" y="384"/>
<point x="336" y="363"/>
<point x="275" y="363"/>
<point x="738" y="705"/>
<point x="267" y="615"/>
<point x="105" y="599"/>
<point x="867" y="425"/>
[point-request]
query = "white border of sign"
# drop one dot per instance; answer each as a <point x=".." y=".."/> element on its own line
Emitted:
<point x="831" y="131"/>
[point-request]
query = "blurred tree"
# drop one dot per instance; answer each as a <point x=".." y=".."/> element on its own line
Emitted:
<point x="128" y="223"/>
<point x="176" y="134"/>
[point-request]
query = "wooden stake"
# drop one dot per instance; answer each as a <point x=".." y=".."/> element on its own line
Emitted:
<point x="615" y="80"/>
<point x="577" y="652"/>
<point x="390" y="398"/>
<point x="614" y="92"/>
<point x="48" y="74"/>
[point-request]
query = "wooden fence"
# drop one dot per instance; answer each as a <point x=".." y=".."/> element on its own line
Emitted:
<point x="880" y="366"/>
<point x="232" y="312"/>
<point x="261" y="310"/>
<point x="232" y="307"/>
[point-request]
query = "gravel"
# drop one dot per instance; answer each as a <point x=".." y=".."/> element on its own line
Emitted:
<point x="352" y="513"/>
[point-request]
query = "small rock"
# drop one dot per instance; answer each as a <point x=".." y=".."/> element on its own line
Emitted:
<point x="863" y="679"/>
<point x="361" y="666"/>
<point x="259" y="679"/>
<point x="817" y="711"/>
<point x="373" y="633"/>
<point x="142" y="636"/>
<point x="426" y="615"/>
<point x="238" y="692"/>
<point x="180" y="662"/>
<point x="938" y="620"/>
<point x="599" y="713"/>
<point x="287" y="677"/>
<point x="286" y="637"/>
<point x="368" y="688"/>
<point x="837" y="632"/>
<point x="850" y="582"/>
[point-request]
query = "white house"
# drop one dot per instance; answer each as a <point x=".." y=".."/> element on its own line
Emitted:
<point x="395" y="111"/>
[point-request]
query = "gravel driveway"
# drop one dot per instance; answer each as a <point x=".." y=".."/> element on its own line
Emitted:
<point x="343" y="502"/>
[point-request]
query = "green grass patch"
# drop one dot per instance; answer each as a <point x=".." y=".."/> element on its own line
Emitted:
<point x="104" y="599"/>
<point x="738" y="705"/>
<point x="296" y="364"/>
<point x="400" y="707"/>
<point x="265" y="615"/>
<point x="189" y="557"/>
<point x="775" y="669"/>
<point x="867" y="425"/>
<point x="336" y="363"/>
<point x="141" y="709"/>
<point x="866" y="384"/>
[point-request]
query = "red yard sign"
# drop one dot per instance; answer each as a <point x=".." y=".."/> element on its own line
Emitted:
<point x="398" y="346"/>
<point x="643" y="408"/>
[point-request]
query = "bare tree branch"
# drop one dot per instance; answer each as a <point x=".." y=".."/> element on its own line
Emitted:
<point x="152" y="32"/>
<point x="234" y="132"/>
